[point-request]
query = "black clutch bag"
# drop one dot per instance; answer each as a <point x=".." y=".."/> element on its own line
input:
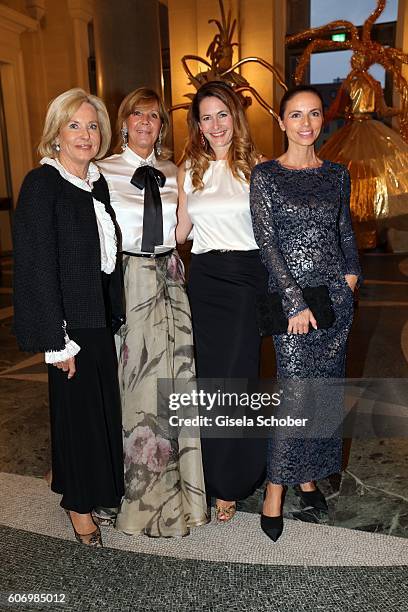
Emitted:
<point x="272" y="320"/>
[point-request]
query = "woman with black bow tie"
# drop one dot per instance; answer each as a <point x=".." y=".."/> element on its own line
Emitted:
<point x="164" y="487"/>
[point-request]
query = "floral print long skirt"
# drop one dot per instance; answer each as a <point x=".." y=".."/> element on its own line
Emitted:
<point x="164" y="484"/>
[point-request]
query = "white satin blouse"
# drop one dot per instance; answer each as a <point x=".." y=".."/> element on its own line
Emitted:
<point x="220" y="211"/>
<point x="127" y="200"/>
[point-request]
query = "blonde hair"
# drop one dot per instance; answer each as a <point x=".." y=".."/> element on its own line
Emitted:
<point x="60" y="111"/>
<point x="139" y="98"/>
<point x="242" y="155"/>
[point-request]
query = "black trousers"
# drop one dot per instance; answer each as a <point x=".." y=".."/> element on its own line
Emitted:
<point x="222" y="290"/>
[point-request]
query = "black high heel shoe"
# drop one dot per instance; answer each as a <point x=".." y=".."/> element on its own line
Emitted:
<point x="272" y="526"/>
<point x="313" y="499"/>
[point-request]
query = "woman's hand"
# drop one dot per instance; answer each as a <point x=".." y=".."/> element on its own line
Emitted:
<point x="351" y="280"/>
<point x="299" y="324"/>
<point x="67" y="366"/>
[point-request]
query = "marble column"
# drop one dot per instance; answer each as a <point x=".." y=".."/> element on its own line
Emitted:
<point x="128" y="50"/>
<point x="263" y="29"/>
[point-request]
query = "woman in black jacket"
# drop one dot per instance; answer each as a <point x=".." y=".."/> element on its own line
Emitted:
<point x="67" y="292"/>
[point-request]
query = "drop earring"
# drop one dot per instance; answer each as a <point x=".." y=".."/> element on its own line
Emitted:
<point x="56" y="147"/>
<point x="158" y="144"/>
<point x="124" y="133"/>
<point x="202" y="139"/>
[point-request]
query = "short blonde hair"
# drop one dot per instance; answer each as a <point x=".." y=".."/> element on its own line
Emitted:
<point x="60" y="111"/>
<point x="142" y="97"/>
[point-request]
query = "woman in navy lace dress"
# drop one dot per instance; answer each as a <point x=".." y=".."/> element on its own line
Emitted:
<point x="302" y="224"/>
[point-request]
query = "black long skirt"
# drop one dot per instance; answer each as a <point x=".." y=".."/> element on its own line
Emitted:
<point x="86" y="428"/>
<point x="222" y="290"/>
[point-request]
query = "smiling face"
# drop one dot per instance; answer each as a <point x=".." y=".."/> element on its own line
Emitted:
<point x="143" y="126"/>
<point x="216" y="125"/>
<point x="303" y="119"/>
<point x="79" y="140"/>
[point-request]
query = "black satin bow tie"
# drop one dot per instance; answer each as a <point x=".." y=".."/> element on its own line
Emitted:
<point x="150" y="179"/>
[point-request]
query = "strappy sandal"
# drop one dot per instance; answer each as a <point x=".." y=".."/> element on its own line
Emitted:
<point x="93" y="538"/>
<point x="103" y="519"/>
<point x="223" y="514"/>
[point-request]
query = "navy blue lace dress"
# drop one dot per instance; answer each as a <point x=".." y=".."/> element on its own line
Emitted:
<point x="302" y="225"/>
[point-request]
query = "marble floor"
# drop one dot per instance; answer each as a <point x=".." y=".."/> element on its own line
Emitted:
<point x="372" y="494"/>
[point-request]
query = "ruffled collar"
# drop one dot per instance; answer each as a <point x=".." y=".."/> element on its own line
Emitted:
<point x="135" y="160"/>
<point x="106" y="228"/>
<point x="86" y="184"/>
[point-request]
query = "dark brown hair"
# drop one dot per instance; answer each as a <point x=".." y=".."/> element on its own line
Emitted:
<point x="294" y="91"/>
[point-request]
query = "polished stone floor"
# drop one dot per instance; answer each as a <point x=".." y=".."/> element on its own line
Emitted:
<point x="372" y="495"/>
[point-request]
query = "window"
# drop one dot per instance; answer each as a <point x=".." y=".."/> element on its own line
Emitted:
<point x="356" y="11"/>
<point x="335" y="65"/>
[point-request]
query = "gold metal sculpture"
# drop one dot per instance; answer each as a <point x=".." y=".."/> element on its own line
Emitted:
<point x="221" y="68"/>
<point x="376" y="155"/>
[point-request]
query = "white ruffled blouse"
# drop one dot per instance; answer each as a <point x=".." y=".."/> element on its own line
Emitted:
<point x="107" y="241"/>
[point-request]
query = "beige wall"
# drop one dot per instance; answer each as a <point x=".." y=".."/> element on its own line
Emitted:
<point x="13" y="83"/>
<point x="14" y="86"/>
<point x="48" y="52"/>
<point x="261" y="29"/>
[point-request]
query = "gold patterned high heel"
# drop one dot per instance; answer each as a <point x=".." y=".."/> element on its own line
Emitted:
<point x="104" y="517"/>
<point x="223" y="514"/>
<point x="93" y="538"/>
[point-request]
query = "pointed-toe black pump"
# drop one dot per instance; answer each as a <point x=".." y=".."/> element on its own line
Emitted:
<point x="272" y="526"/>
<point x="313" y="499"/>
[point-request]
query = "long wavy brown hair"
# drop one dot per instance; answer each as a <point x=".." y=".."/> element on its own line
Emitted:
<point x="242" y="155"/>
<point x="143" y="96"/>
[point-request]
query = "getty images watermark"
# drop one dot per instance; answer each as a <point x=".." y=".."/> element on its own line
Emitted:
<point x="219" y="400"/>
<point x="308" y="408"/>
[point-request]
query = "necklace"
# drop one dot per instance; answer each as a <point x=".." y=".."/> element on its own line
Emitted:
<point x="290" y="167"/>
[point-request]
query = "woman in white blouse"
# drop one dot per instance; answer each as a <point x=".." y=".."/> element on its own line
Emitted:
<point x="164" y="485"/>
<point x="225" y="274"/>
<point x="67" y="288"/>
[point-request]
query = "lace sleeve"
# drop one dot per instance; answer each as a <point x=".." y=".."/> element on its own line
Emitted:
<point x="347" y="238"/>
<point x="267" y="239"/>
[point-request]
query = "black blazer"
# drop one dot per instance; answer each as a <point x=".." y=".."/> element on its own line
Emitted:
<point x="57" y="261"/>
